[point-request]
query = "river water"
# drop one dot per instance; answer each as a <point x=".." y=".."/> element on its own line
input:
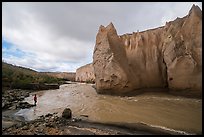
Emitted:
<point x="154" y="109"/>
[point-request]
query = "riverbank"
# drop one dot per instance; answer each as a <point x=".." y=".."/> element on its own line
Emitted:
<point x="51" y="124"/>
<point x="13" y="99"/>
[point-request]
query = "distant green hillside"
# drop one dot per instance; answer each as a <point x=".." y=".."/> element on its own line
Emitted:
<point x="20" y="77"/>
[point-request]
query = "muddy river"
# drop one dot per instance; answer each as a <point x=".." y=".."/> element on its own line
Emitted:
<point x="155" y="109"/>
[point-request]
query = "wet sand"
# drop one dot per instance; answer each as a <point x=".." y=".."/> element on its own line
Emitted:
<point x="155" y="109"/>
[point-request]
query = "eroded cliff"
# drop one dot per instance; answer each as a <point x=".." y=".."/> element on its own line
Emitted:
<point x="169" y="56"/>
<point x="110" y="62"/>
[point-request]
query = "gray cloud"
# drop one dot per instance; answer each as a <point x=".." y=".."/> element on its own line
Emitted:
<point x="67" y="31"/>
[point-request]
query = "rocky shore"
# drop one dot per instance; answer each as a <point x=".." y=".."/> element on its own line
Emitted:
<point x="13" y="99"/>
<point x="51" y="124"/>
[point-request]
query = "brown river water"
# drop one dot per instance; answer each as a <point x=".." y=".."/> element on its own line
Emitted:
<point x="155" y="109"/>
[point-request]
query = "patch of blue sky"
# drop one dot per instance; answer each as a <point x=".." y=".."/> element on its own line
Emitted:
<point x="9" y="49"/>
<point x="5" y="44"/>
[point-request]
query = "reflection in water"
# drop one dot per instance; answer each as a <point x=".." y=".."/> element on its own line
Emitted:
<point x="152" y="108"/>
<point x="34" y="111"/>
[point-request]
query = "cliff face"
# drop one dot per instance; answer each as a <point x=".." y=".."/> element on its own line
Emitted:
<point x="145" y="58"/>
<point x="182" y="51"/>
<point x="168" y="56"/>
<point x="85" y="74"/>
<point x="110" y="62"/>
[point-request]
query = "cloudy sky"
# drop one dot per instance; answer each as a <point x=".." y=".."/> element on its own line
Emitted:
<point x="61" y="36"/>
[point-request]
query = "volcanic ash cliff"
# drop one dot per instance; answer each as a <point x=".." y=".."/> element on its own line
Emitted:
<point x="165" y="57"/>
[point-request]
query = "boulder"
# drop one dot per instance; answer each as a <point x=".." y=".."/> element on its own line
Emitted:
<point x="67" y="113"/>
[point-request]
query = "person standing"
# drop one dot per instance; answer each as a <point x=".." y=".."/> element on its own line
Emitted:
<point x="35" y="99"/>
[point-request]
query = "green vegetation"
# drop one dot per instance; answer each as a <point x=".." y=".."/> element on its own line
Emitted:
<point x="20" y="77"/>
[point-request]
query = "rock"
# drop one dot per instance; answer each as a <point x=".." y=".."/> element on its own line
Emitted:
<point x="51" y="119"/>
<point x="49" y="125"/>
<point x="15" y="101"/>
<point x="48" y="115"/>
<point x="22" y="97"/>
<point x="67" y="113"/>
<point x="12" y="108"/>
<point x="164" y="57"/>
<point x="46" y="119"/>
<point x="36" y="124"/>
<point x="6" y="104"/>
<point x="40" y="128"/>
<point x="23" y="124"/>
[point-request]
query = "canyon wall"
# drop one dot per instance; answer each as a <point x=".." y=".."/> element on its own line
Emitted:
<point x="85" y="74"/>
<point x="165" y="57"/>
<point x="183" y="51"/>
<point x="145" y="58"/>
